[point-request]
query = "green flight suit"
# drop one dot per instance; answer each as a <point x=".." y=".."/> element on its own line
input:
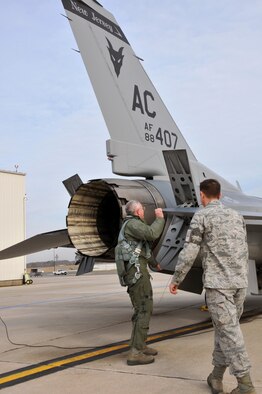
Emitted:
<point x="141" y="293"/>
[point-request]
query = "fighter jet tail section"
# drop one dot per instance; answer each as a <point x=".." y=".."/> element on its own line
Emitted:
<point x="139" y="124"/>
<point x="140" y="128"/>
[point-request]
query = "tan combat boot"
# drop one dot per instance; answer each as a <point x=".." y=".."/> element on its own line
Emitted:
<point x="136" y="357"/>
<point x="149" y="351"/>
<point x="214" y="380"/>
<point x="245" y="386"/>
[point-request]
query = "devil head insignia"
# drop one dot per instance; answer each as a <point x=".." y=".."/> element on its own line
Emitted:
<point x="116" y="57"/>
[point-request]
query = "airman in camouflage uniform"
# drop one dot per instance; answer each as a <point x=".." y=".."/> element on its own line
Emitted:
<point x="140" y="292"/>
<point x="219" y="234"/>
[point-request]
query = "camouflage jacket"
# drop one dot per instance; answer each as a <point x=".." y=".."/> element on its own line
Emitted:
<point x="219" y="233"/>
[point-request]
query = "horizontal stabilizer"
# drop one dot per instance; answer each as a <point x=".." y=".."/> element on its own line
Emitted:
<point x="52" y="239"/>
<point x="251" y="215"/>
<point x="193" y="281"/>
<point x="181" y="211"/>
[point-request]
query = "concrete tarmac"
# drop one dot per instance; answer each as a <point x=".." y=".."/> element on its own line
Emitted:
<point x="78" y="313"/>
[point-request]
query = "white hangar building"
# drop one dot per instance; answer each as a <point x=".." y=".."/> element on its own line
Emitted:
<point x="12" y="224"/>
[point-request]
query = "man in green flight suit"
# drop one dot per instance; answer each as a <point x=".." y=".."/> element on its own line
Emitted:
<point x="137" y="278"/>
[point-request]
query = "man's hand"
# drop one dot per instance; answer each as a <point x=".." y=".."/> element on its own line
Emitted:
<point x="173" y="288"/>
<point x="159" y="213"/>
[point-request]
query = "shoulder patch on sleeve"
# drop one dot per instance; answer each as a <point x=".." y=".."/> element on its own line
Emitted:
<point x="188" y="235"/>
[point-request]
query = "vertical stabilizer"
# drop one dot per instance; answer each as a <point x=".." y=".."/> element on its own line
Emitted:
<point x="139" y="124"/>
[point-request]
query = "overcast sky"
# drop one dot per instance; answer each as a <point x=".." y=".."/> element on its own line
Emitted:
<point x="203" y="56"/>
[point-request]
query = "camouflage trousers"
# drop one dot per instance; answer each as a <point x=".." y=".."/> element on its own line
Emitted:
<point x="226" y="308"/>
<point x="141" y="296"/>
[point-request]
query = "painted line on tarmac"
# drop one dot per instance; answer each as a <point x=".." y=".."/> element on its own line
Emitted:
<point x="31" y="372"/>
<point x="51" y="366"/>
